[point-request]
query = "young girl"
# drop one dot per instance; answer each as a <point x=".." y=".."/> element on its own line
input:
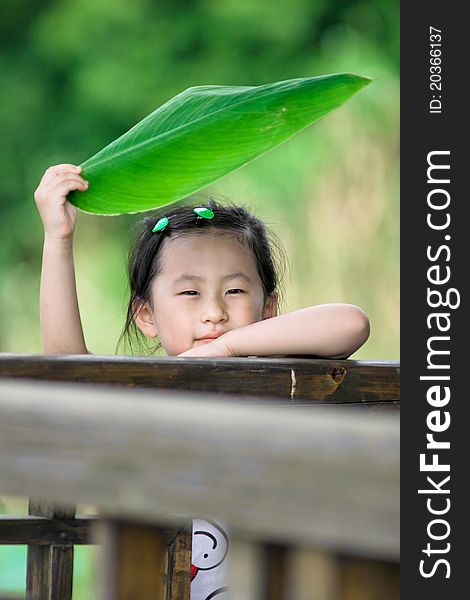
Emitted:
<point x="203" y="283"/>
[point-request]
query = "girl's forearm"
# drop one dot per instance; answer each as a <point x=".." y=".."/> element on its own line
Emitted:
<point x="61" y="326"/>
<point x="329" y="330"/>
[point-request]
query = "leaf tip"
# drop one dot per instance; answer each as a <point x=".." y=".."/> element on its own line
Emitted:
<point x="368" y="79"/>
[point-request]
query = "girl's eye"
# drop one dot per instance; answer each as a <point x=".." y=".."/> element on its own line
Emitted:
<point x="189" y="293"/>
<point x="235" y="291"/>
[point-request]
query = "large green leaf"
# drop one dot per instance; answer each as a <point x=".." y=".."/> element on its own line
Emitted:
<point x="201" y="135"/>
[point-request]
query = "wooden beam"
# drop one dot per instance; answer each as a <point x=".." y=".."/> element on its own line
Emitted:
<point x="43" y="532"/>
<point x="154" y="454"/>
<point x="281" y="380"/>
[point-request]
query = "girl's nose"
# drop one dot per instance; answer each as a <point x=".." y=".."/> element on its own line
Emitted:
<point x="214" y="312"/>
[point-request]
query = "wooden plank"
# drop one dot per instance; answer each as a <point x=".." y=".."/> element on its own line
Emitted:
<point x="41" y="531"/>
<point x="287" y="380"/>
<point x="49" y="571"/>
<point x="132" y="560"/>
<point x="153" y="454"/>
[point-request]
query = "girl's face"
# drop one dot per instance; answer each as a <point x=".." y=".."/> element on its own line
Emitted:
<point x="208" y="285"/>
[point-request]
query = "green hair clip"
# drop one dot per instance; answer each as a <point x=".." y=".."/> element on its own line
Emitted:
<point x="204" y="213"/>
<point x="160" y="224"/>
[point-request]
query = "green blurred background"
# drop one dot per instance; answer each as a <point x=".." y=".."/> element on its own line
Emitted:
<point x="76" y="74"/>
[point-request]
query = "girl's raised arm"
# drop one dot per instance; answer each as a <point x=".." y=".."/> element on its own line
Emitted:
<point x="327" y="330"/>
<point x="61" y="325"/>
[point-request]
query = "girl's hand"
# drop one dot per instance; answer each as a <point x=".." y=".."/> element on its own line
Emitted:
<point x="218" y="347"/>
<point x="59" y="217"/>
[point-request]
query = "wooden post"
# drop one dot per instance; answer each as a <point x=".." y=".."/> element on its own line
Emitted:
<point x="313" y="574"/>
<point x="179" y="566"/>
<point x="369" y="580"/>
<point x="275" y="572"/>
<point x="246" y="578"/>
<point x="49" y="571"/>
<point x="132" y="560"/>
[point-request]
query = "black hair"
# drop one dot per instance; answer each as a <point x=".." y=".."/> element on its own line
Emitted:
<point x="144" y="262"/>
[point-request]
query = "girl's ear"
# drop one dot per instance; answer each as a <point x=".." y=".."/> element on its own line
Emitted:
<point x="270" y="306"/>
<point x="144" y="318"/>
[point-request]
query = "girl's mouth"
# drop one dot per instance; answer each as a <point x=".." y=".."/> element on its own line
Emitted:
<point x="210" y="337"/>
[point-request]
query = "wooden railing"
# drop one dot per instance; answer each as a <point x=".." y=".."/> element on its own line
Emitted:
<point x="312" y="493"/>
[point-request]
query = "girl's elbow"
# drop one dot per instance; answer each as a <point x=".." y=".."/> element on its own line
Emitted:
<point x="355" y="331"/>
<point x="360" y="326"/>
